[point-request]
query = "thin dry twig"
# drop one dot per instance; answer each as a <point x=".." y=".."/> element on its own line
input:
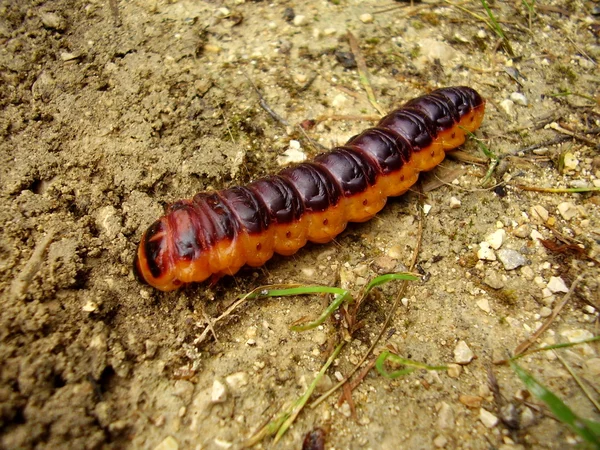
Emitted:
<point x="363" y="72"/>
<point x="557" y="309"/>
<point x="582" y="386"/>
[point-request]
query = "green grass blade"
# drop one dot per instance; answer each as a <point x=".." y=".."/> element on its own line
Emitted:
<point x="333" y="306"/>
<point x="387" y="278"/>
<point x="411" y="365"/>
<point x="559" y="409"/>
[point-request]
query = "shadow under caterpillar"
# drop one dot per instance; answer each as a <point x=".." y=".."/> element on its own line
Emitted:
<point x="216" y="233"/>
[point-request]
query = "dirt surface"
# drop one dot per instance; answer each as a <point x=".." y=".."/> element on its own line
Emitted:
<point x="113" y="109"/>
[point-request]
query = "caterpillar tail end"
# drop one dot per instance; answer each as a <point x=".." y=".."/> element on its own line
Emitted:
<point x="151" y="264"/>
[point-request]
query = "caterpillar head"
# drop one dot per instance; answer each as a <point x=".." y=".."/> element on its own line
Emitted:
<point x="153" y="264"/>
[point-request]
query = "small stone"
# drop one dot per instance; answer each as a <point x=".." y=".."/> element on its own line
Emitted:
<point x="577" y="335"/>
<point x="168" y="443"/>
<point x="567" y="210"/>
<point x="454" y="370"/>
<point x="366" y="18"/>
<point x="527" y="418"/>
<point x="440" y="441"/>
<point x="545" y="312"/>
<point x="556" y="284"/>
<point x="90" y="306"/>
<point x="462" y="353"/>
<point x="151" y="348"/>
<point x="454" y="203"/>
<point x="592" y="366"/>
<point x="345" y="409"/>
<point x="522" y="231"/>
<point x="237" y="380"/>
<point x="493" y="279"/>
<point x="299" y="20"/>
<point x="69" y="56"/>
<point x="487" y="418"/>
<point x="496" y="239"/>
<point x="510" y="259"/>
<point x="218" y="393"/>
<point x="445" y="416"/>
<point x="535" y="236"/>
<point x="184" y="390"/>
<point x="292" y="155"/>
<point x="570" y="161"/>
<point x="527" y="273"/>
<point x="508" y="106"/>
<point x="539" y="213"/>
<point x="471" y="401"/>
<point x="519" y="98"/>
<point x="222" y="13"/>
<point x="54" y="21"/>
<point x="484" y="305"/>
<point x="485" y="252"/>
<point x="426" y="208"/>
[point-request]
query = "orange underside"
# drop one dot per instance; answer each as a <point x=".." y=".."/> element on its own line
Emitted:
<point x="228" y="256"/>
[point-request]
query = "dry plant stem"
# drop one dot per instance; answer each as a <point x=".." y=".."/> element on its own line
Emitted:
<point x="526" y="344"/>
<point x="20" y="284"/>
<point x="579" y="137"/>
<point x="388" y="319"/>
<point x="363" y="72"/>
<point x="582" y="386"/>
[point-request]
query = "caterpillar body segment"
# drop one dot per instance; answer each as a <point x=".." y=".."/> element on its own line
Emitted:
<point x="216" y="233"/>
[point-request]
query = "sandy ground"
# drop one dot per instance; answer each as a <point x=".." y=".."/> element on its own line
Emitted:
<point x="113" y="109"/>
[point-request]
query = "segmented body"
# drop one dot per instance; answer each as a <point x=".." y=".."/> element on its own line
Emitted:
<point x="216" y="233"/>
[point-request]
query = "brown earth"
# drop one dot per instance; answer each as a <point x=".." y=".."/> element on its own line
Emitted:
<point x="113" y="109"/>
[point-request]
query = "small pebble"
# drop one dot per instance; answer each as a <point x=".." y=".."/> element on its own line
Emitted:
<point x="567" y="210"/>
<point x="508" y="106"/>
<point x="366" y="18"/>
<point x="440" y="441"/>
<point x="484" y="305"/>
<point x="426" y="208"/>
<point x="496" y="239"/>
<point x="511" y="259"/>
<point x="570" y="161"/>
<point x="168" y="443"/>
<point x="545" y="312"/>
<point x="237" y="380"/>
<point x="527" y="273"/>
<point x="592" y="366"/>
<point x="518" y="98"/>
<point x="445" y="416"/>
<point x="471" y="401"/>
<point x="577" y="335"/>
<point x="299" y="20"/>
<point x="527" y="418"/>
<point x="538" y="212"/>
<point x="522" y="231"/>
<point x="454" y="203"/>
<point x="454" y="370"/>
<point x="556" y="284"/>
<point x="485" y="252"/>
<point x="218" y="393"/>
<point x="54" y="21"/>
<point x="462" y="353"/>
<point x="493" y="279"/>
<point x="487" y="418"/>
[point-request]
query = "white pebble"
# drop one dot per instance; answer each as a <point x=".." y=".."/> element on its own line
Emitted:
<point x="218" y="393"/>
<point x="483" y="304"/>
<point x="556" y="284"/>
<point x="567" y="210"/>
<point x="454" y="370"/>
<point x="454" y="203"/>
<point x="485" y="252"/>
<point x="487" y="418"/>
<point x="366" y="18"/>
<point x="299" y="20"/>
<point x="518" y="98"/>
<point x="237" y="380"/>
<point x="508" y="106"/>
<point x="496" y="239"/>
<point x="511" y="259"/>
<point x="168" y="443"/>
<point x="462" y="353"/>
<point x="522" y="231"/>
<point x="426" y="208"/>
<point x="440" y="441"/>
<point x="570" y="161"/>
<point x="577" y="335"/>
<point x="545" y="312"/>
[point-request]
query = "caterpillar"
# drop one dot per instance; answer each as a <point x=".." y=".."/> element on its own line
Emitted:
<point x="216" y="233"/>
